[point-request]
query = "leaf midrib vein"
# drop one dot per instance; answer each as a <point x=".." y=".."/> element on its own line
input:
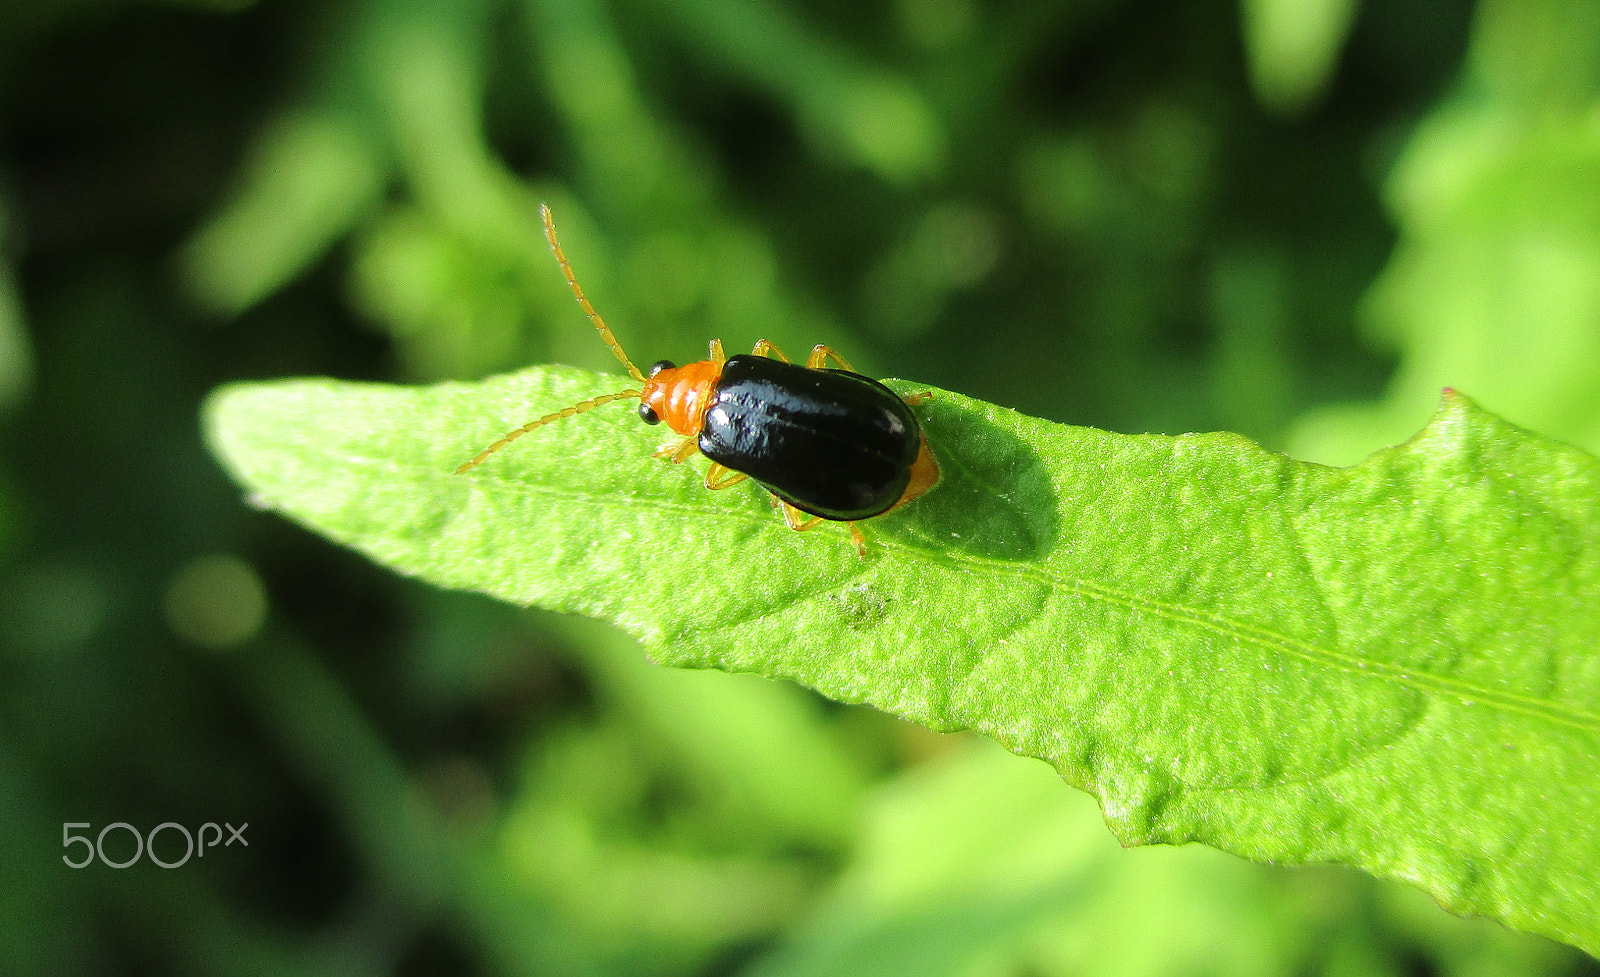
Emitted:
<point x="1421" y="681"/>
<point x="1212" y="621"/>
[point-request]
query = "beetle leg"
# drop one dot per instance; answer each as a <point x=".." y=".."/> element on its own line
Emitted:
<point x="796" y="519"/>
<point x="858" y="538"/>
<point x="920" y="398"/>
<point x="822" y="353"/>
<point x="680" y="452"/>
<point x="717" y="355"/>
<point x="720" y="476"/>
<point x="801" y="521"/>
<point x="767" y="349"/>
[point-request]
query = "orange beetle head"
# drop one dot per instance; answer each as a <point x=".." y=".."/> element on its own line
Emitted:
<point x="679" y="395"/>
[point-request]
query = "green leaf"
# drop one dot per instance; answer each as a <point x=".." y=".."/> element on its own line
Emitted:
<point x="1395" y="666"/>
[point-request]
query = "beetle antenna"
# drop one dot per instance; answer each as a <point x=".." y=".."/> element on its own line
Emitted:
<point x="587" y="405"/>
<point x="577" y="291"/>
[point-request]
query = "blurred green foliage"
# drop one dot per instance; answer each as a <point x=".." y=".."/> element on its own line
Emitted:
<point x="1294" y="220"/>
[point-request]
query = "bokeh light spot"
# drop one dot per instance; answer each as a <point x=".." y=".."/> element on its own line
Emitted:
<point x="216" y="602"/>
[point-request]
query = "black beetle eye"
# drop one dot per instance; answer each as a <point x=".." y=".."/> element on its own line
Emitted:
<point x="648" y="413"/>
<point x="662" y="365"/>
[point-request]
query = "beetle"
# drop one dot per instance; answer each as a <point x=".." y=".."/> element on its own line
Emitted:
<point x="830" y="444"/>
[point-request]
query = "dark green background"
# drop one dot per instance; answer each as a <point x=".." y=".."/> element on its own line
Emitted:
<point x="1296" y="220"/>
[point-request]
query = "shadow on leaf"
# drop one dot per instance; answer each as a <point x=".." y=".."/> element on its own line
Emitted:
<point x="994" y="499"/>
